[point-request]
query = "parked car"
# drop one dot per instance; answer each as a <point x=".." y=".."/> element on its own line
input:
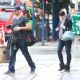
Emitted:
<point x="5" y="19"/>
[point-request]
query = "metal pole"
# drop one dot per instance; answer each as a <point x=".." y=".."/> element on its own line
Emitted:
<point x="52" y="21"/>
<point x="43" y="22"/>
<point x="33" y="17"/>
<point x="55" y="19"/>
<point x="3" y="32"/>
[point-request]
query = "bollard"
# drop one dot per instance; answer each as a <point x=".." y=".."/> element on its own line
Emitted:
<point x="3" y="55"/>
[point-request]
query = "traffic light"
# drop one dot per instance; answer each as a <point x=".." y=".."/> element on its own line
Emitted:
<point x="48" y="6"/>
<point x="48" y="1"/>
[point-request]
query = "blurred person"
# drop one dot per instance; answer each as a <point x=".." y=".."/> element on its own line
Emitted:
<point x="20" y="24"/>
<point x="26" y="13"/>
<point x="64" y="25"/>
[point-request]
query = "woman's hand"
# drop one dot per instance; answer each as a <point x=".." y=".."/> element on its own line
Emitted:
<point x="17" y="28"/>
<point x="62" y="26"/>
<point x="57" y="29"/>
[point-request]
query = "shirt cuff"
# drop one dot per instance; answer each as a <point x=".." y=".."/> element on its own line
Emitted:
<point x="64" y="27"/>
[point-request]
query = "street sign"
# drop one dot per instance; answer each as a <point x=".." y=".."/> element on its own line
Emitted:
<point x="76" y="24"/>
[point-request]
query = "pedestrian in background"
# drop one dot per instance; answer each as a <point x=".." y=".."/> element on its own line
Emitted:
<point x="20" y="24"/>
<point x="64" y="25"/>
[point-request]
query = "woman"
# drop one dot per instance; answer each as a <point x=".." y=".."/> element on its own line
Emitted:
<point x="64" y="25"/>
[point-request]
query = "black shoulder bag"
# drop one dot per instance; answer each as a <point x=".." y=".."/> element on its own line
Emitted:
<point x="29" y="38"/>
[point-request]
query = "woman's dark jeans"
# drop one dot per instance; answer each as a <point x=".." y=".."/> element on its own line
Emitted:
<point x="67" y="45"/>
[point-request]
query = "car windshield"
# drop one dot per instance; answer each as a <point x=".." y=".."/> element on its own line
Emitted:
<point x="5" y="16"/>
<point x="5" y="2"/>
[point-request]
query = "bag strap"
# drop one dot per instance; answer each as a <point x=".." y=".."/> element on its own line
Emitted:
<point x="67" y="29"/>
<point x="10" y="27"/>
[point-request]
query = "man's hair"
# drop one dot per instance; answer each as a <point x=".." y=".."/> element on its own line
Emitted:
<point x="17" y="7"/>
<point x="61" y="13"/>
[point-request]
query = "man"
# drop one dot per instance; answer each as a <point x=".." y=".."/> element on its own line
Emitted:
<point x="64" y="25"/>
<point x="20" y="24"/>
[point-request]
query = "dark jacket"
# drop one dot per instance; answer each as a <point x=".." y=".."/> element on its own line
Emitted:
<point x="68" y="25"/>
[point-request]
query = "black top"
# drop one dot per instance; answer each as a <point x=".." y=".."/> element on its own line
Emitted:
<point x="21" y="22"/>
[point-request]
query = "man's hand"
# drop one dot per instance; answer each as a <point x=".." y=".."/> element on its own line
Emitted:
<point x="17" y="28"/>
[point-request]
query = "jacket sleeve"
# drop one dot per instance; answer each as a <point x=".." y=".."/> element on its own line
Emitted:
<point x="68" y="25"/>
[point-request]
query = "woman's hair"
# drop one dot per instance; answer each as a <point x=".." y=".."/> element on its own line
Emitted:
<point x="61" y="13"/>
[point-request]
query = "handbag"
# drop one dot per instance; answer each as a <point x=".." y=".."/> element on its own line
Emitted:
<point x="29" y="38"/>
<point x="68" y="35"/>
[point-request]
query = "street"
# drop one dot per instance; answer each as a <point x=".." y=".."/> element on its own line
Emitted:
<point x="47" y="65"/>
<point x="44" y="56"/>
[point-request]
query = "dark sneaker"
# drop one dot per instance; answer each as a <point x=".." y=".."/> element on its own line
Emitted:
<point x="33" y="69"/>
<point x="61" y="68"/>
<point x="67" y="68"/>
<point x="9" y="72"/>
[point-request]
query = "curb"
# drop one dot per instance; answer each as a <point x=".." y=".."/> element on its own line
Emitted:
<point x="43" y="48"/>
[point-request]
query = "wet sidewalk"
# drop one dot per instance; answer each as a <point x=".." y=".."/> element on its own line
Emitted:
<point x="46" y="68"/>
<point x="43" y="72"/>
<point x="47" y="64"/>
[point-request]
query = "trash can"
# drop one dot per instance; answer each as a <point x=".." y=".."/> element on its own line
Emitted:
<point x="4" y="56"/>
<point x="39" y="30"/>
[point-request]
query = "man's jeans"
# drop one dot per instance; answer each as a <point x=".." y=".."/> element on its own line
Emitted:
<point x="14" y="48"/>
<point x="67" y="45"/>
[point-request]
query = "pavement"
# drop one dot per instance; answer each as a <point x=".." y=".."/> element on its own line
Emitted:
<point x="47" y="64"/>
